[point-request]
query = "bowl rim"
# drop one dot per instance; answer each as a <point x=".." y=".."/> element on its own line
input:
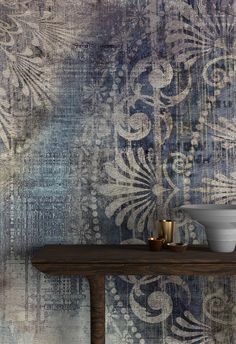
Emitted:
<point x="208" y="207"/>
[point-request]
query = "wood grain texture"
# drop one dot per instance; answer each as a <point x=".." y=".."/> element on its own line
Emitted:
<point x="88" y="260"/>
<point x="97" y="301"/>
<point x="95" y="261"/>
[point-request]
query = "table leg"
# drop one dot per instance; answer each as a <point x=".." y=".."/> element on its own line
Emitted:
<point x="97" y="308"/>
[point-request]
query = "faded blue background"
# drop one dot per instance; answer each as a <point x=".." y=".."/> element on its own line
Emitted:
<point x="112" y="114"/>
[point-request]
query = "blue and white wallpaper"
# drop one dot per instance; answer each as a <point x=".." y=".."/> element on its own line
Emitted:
<point x="113" y="113"/>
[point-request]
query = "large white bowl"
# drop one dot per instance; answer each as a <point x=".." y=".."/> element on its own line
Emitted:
<point x="219" y="222"/>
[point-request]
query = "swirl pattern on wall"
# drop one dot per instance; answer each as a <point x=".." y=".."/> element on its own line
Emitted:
<point x="112" y="115"/>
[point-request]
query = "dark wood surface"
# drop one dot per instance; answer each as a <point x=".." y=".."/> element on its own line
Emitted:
<point x="96" y="261"/>
<point x="88" y="260"/>
<point x="97" y="308"/>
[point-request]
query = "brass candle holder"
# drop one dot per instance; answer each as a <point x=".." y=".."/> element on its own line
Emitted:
<point x="155" y="244"/>
<point x="166" y="230"/>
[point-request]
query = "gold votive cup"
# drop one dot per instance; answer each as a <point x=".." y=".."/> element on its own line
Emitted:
<point x="166" y="230"/>
<point x="155" y="244"/>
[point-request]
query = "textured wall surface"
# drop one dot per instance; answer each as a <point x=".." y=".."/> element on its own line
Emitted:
<point x="112" y="114"/>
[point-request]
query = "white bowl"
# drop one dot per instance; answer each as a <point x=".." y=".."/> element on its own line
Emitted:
<point x="219" y="222"/>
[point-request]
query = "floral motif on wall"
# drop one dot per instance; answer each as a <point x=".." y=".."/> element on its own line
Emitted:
<point x="113" y="114"/>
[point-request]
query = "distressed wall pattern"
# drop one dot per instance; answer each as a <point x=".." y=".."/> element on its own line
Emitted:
<point x="112" y="114"/>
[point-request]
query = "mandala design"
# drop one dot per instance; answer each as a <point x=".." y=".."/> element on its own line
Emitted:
<point x="224" y="131"/>
<point x="27" y="68"/>
<point x="190" y="330"/>
<point x="195" y="32"/>
<point x="221" y="189"/>
<point x="136" y="189"/>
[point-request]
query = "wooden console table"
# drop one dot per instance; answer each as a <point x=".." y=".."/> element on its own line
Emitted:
<point x="96" y="261"/>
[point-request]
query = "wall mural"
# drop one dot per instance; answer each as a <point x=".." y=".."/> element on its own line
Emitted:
<point x="112" y="114"/>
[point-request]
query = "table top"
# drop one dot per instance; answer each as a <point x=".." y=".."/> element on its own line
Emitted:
<point x="131" y="259"/>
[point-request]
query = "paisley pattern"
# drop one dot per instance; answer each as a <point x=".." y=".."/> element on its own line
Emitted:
<point x="112" y="115"/>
